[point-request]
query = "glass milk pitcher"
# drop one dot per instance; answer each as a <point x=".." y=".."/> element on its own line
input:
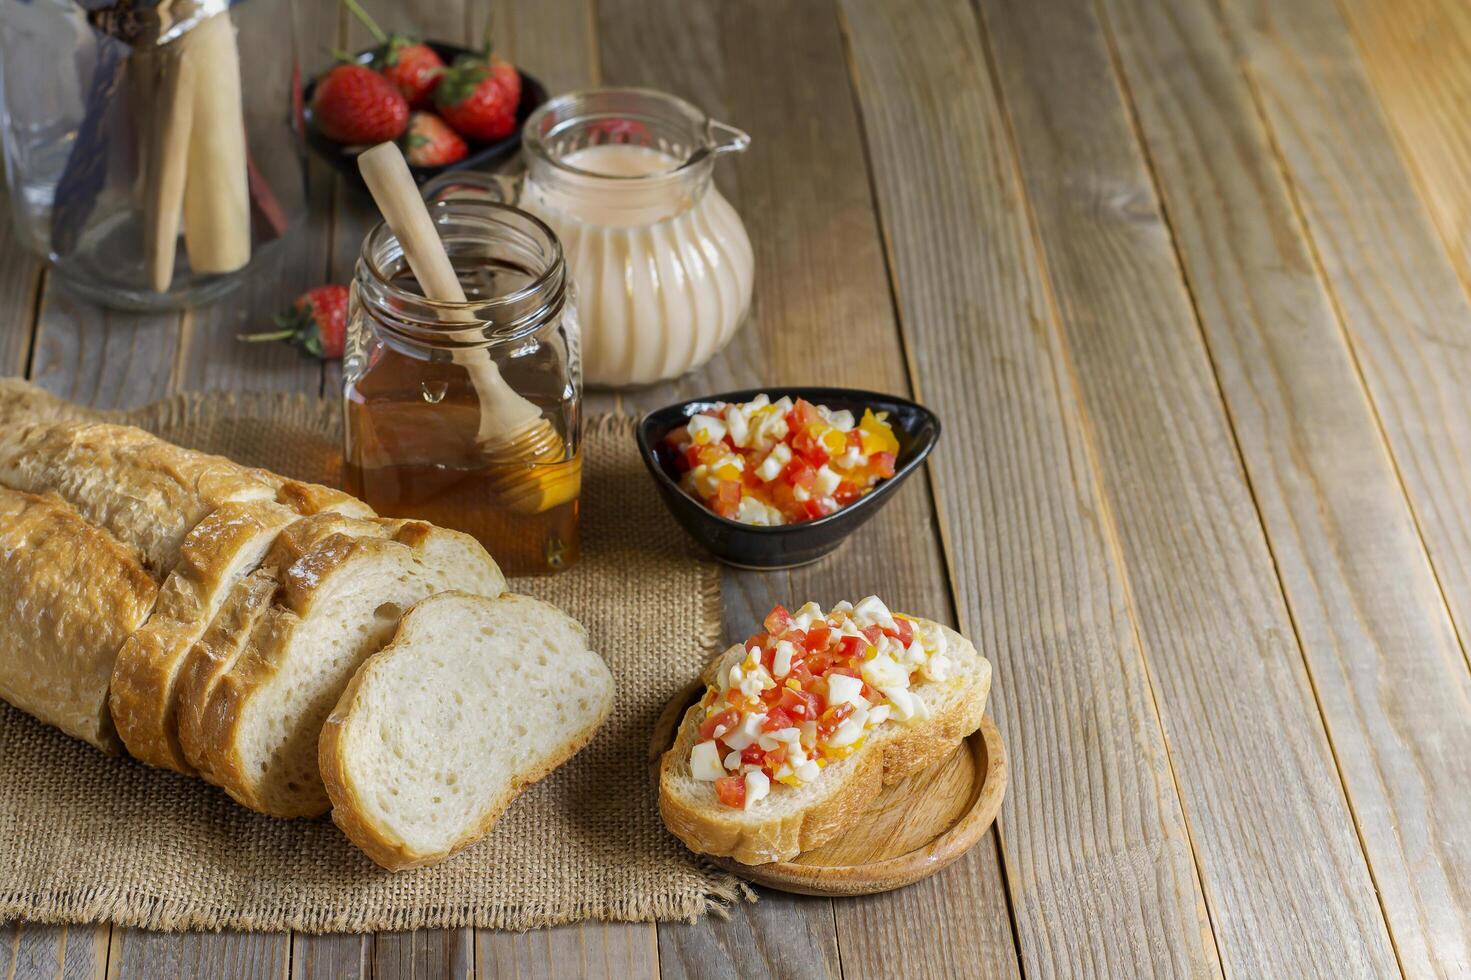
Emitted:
<point x="662" y="262"/>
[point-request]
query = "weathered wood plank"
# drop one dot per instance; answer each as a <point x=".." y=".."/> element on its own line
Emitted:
<point x="1101" y="873"/>
<point x="1405" y="312"/>
<point x="1418" y="58"/>
<point x="595" y="950"/>
<point x="21" y="280"/>
<point x="330" y="957"/>
<point x="1238" y="709"/>
<point x="425" y="953"/>
<point x="208" y="956"/>
<point x="45" y="952"/>
<point x="1384" y="658"/>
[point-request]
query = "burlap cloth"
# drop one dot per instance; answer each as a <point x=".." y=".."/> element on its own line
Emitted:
<point x="84" y="837"/>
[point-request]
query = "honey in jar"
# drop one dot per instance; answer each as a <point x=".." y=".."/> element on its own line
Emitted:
<point x="467" y="415"/>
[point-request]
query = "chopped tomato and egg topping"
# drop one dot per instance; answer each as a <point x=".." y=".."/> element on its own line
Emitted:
<point x="808" y="692"/>
<point x="782" y="462"/>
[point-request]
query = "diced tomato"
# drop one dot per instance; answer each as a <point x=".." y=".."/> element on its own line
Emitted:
<point x="776" y="718"/>
<point x="855" y="440"/>
<point x="832" y="718"/>
<point x="819" y="661"/>
<point x="731" y="790"/>
<point x="847" y="492"/>
<point x="884" y="463"/>
<point x="904" y="631"/>
<point x="808" y="445"/>
<point x="803" y="414"/>
<point x="852" y="647"/>
<point x="778" y="620"/>
<point x="799" y="706"/>
<point x="728" y="718"/>
<point x="692" y="457"/>
<point x="814" y="508"/>
<point x="816" y="637"/>
<point x="757" y="640"/>
<point x="727" y="502"/>
<point x="775" y="758"/>
<point x="753" y="755"/>
<point x="800" y="672"/>
<point x="872" y="634"/>
<point x="799" y="473"/>
<point x="846" y="671"/>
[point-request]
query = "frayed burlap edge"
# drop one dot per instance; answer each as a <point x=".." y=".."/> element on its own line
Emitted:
<point x="711" y="890"/>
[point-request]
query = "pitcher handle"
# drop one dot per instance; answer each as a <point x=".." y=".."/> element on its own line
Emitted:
<point x="726" y="139"/>
<point x="474" y="185"/>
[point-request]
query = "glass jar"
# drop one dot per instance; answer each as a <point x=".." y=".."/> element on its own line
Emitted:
<point x="662" y="262"/>
<point x="439" y="397"/>
<point x="138" y="163"/>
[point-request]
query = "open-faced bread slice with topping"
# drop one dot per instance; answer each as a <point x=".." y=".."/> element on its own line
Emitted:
<point x="802" y="725"/>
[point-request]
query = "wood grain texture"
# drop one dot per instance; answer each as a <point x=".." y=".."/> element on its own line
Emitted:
<point x="425" y="953"/>
<point x="1417" y="54"/>
<point x="41" y="952"/>
<point x="804" y="195"/>
<point x="596" y="950"/>
<point x="206" y="956"/>
<point x="330" y="957"/>
<point x="1098" y="860"/>
<point x="1384" y="658"/>
<point x="21" y="279"/>
<point x="1404" y="311"/>
<point x="1238" y="708"/>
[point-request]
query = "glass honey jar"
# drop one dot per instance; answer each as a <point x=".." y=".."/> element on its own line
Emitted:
<point x="467" y="414"/>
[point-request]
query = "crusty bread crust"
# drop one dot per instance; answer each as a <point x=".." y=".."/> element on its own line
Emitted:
<point x="70" y="594"/>
<point x="216" y="554"/>
<point x="889" y="754"/>
<point x="348" y="812"/>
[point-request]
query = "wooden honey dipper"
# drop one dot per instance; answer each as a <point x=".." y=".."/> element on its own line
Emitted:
<point x="521" y="447"/>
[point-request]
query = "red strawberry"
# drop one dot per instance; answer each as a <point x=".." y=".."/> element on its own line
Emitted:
<point x="413" y="67"/>
<point x="316" y="322"/>
<point x="407" y="63"/>
<point x="431" y="143"/>
<point x="478" y="97"/>
<point x="354" y="104"/>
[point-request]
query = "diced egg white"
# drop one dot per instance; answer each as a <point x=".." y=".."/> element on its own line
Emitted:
<point x="802" y="494"/>
<point x="808" y="771"/>
<point x="705" y="762"/>
<point x="783" y="404"/>
<point x="851" y="458"/>
<point x="879" y="714"/>
<point x="936" y="668"/>
<point x="842" y="689"/>
<point x="904" y="702"/>
<point x="871" y="611"/>
<point x="781" y="659"/>
<point x="706" y="429"/>
<point x="755" y="681"/>
<point x="827" y="481"/>
<point x="884" y="672"/>
<point x="732" y="760"/>
<point x="737" y="425"/>
<point x="842" y="606"/>
<point x="804" y="618"/>
<point x="771" y="740"/>
<point x="757" y="786"/>
<point x="841" y="419"/>
<point x="809" y="732"/>
<point x="775" y="461"/>
<point x="914" y="653"/>
<point x="755" y="512"/>
<point x="847" y="733"/>
<point x="745" y="732"/>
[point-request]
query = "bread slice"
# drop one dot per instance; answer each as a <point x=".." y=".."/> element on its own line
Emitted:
<point x="794" y="819"/>
<point x="221" y="550"/>
<point x="337" y="604"/>
<point x="474" y="700"/>
<point x="146" y="492"/>
<point x="69" y="596"/>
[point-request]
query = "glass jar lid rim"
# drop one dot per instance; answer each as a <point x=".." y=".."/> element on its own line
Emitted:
<point x="698" y="118"/>
<point x="553" y="268"/>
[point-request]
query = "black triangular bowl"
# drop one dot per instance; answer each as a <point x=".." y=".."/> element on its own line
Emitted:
<point x="747" y="546"/>
<point x="482" y="156"/>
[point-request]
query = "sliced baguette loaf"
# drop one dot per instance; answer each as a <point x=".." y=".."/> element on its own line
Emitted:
<point x="146" y="492"/>
<point x="337" y="604"/>
<point x="474" y="700"/>
<point x="70" y="594"/>
<point x="794" y="819"/>
<point x="220" y="551"/>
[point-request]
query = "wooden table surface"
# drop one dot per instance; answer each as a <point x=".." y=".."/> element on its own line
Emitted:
<point x="1187" y="282"/>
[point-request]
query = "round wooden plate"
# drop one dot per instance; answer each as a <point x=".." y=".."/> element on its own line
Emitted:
<point x="911" y="830"/>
